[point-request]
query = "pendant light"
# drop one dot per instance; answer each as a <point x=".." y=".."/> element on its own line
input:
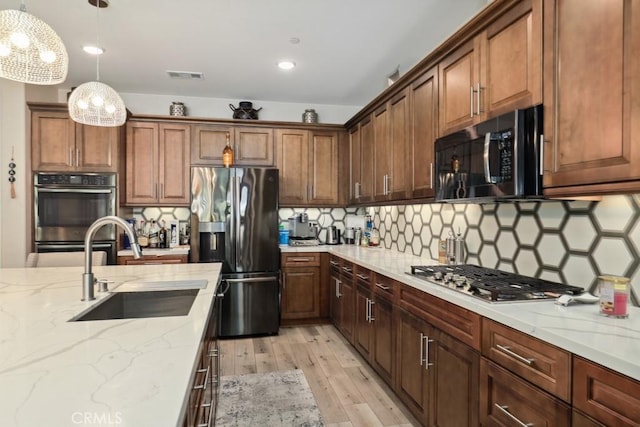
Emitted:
<point x="30" y="51"/>
<point x="96" y="103"/>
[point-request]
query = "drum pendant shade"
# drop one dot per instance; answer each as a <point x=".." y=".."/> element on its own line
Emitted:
<point x="97" y="104"/>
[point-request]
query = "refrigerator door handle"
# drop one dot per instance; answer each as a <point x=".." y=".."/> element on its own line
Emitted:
<point x="236" y="213"/>
<point x="252" y="280"/>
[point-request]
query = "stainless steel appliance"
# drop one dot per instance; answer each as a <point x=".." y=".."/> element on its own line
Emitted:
<point x="234" y="220"/>
<point x="65" y="205"/>
<point x="490" y="285"/>
<point x="497" y="159"/>
<point x="300" y="227"/>
<point x="333" y="235"/>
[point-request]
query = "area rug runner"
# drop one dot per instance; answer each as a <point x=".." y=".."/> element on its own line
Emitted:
<point x="268" y="399"/>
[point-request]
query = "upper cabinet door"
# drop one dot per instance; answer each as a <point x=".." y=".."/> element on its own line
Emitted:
<point x="207" y="144"/>
<point x="174" y="169"/>
<point x="52" y="141"/>
<point x="293" y="163"/>
<point x="382" y="153"/>
<point x="367" y="153"/>
<point x="497" y="71"/>
<point x="254" y="146"/>
<point x="142" y="163"/>
<point x="323" y="168"/>
<point x="355" y="149"/>
<point x="592" y="93"/>
<point x="398" y="182"/>
<point x="424" y="129"/>
<point x="97" y="148"/>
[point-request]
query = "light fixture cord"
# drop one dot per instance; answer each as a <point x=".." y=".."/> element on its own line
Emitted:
<point x="98" y="40"/>
<point x="23" y="7"/>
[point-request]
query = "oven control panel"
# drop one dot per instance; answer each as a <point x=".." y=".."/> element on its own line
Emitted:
<point x="66" y="179"/>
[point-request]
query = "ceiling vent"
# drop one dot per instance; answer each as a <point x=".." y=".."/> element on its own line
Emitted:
<point x="185" y="75"/>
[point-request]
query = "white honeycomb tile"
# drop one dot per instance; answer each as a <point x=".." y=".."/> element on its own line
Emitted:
<point x="473" y="259"/>
<point x="409" y="211"/>
<point x="506" y="266"/>
<point x="388" y="221"/>
<point x="507" y="214"/>
<point x="416" y="247"/>
<point x="151" y="213"/>
<point x="527" y="230"/>
<point x="488" y="256"/>
<point x="337" y="214"/>
<point x="634" y="237"/>
<point x="473" y="241"/>
<point x="459" y="207"/>
<point x="383" y="230"/>
<point x="579" y="205"/>
<point x="425" y="214"/>
<point x="402" y="243"/>
<point x="436" y="226"/>
<point x="447" y="214"/>
<point x="416" y="222"/>
<point x="579" y="232"/>
<point x="436" y="207"/>
<point x="578" y="271"/>
<point x="394" y="232"/>
<point x="433" y="248"/>
<point x="614" y="213"/>
<point x="182" y="214"/>
<point x="285" y="213"/>
<point x="612" y="256"/>
<point x="402" y="222"/>
<point x="528" y="206"/>
<point x="459" y="225"/>
<point x="507" y="245"/>
<point x="473" y="214"/>
<point x="526" y="262"/>
<point x="551" y="215"/>
<point x="408" y="231"/>
<point x="489" y="228"/>
<point x="551" y="250"/>
<point x="551" y="275"/>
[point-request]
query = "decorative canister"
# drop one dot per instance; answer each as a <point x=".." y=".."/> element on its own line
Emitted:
<point x="310" y="116"/>
<point x="177" y="109"/>
<point x="614" y="295"/>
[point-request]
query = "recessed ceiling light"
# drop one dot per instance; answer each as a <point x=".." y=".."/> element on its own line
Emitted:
<point x="93" y="50"/>
<point x="286" y="65"/>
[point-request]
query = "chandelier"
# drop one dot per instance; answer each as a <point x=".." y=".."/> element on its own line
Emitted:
<point x="95" y="103"/>
<point x="30" y="51"/>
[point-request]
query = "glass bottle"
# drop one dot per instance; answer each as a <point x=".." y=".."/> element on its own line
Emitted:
<point x="143" y="239"/>
<point x="154" y="230"/>
<point x="227" y="153"/>
<point x="162" y="236"/>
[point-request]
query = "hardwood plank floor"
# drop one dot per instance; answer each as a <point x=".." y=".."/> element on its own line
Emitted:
<point x="349" y="393"/>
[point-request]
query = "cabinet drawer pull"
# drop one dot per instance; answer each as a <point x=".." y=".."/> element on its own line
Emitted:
<point x="338" y="282"/>
<point x="471" y="102"/>
<point x="383" y="287"/>
<point x="424" y="351"/>
<point x="333" y="263"/>
<point x="541" y="155"/>
<point x="203" y="386"/>
<point x="299" y="259"/>
<point x="503" y="409"/>
<point x="362" y="276"/>
<point x="371" y="318"/>
<point x="347" y="269"/>
<point x="505" y="349"/>
<point x="210" y="417"/>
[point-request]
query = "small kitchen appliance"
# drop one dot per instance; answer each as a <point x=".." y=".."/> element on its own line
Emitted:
<point x="302" y="232"/>
<point x="490" y="285"/>
<point x="350" y="236"/>
<point x="333" y="235"/>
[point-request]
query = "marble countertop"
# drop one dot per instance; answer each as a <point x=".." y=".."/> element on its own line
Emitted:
<point x="178" y="250"/>
<point x="128" y="372"/>
<point x="578" y="328"/>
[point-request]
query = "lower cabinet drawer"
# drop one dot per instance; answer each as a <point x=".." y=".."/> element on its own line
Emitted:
<point x="507" y="400"/>
<point x="303" y="259"/>
<point x="608" y="397"/>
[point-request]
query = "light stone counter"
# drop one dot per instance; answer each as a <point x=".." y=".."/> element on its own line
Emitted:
<point x="578" y="328"/>
<point x="129" y="372"/>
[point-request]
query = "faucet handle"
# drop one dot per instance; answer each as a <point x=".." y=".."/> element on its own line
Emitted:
<point x="103" y="285"/>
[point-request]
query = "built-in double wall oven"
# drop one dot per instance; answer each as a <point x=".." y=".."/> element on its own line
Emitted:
<point x="65" y="205"/>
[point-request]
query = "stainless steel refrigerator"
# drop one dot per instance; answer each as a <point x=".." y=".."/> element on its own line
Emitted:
<point x="234" y="220"/>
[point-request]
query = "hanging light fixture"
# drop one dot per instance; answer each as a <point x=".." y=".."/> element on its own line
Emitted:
<point x="30" y="51"/>
<point x="96" y="103"/>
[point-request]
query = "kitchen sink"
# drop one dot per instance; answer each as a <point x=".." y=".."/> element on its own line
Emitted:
<point x="161" y="285"/>
<point x="132" y="305"/>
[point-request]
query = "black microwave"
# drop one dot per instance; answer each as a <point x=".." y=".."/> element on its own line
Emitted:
<point x="500" y="158"/>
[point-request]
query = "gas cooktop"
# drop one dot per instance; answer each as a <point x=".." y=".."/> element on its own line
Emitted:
<point x="492" y="285"/>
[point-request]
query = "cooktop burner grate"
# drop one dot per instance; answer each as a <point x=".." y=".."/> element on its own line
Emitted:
<point x="493" y="285"/>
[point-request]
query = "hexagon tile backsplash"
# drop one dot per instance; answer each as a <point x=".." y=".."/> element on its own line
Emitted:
<point x="571" y="242"/>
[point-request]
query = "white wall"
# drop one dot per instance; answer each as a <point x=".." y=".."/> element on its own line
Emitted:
<point x="13" y="212"/>
<point x="218" y="108"/>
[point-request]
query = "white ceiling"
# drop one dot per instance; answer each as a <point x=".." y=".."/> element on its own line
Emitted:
<point x="346" y="49"/>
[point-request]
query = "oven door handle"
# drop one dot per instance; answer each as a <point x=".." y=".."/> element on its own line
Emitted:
<point x="79" y="246"/>
<point x="74" y="190"/>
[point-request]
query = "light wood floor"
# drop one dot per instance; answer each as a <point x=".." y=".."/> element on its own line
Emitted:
<point x="348" y="391"/>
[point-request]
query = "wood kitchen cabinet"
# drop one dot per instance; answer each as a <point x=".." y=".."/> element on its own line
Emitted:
<point x="437" y="376"/>
<point x="498" y="70"/>
<point x="308" y="164"/>
<point x="592" y="83"/>
<point x="252" y="146"/>
<point x="58" y="144"/>
<point x="153" y="259"/>
<point x="361" y="147"/>
<point x="342" y="300"/>
<point x="300" y="286"/>
<point x="423" y="119"/>
<point x="158" y="169"/>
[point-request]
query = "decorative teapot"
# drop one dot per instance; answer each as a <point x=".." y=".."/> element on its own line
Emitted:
<point x="245" y="111"/>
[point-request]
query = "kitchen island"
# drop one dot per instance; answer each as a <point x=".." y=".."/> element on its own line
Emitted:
<point x="126" y="372"/>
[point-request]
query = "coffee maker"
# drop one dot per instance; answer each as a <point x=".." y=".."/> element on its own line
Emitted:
<point x="302" y="232"/>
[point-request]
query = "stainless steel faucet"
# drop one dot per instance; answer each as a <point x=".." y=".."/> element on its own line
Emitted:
<point x="88" y="281"/>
